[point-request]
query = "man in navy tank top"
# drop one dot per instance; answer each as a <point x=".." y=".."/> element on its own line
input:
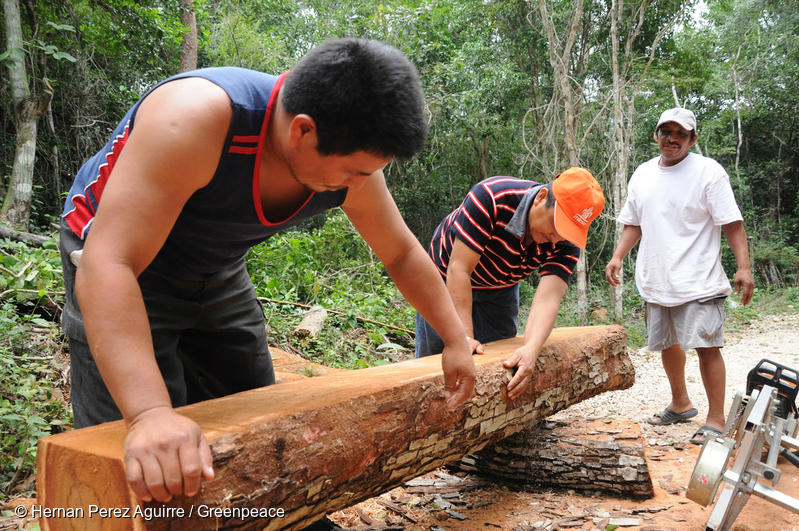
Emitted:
<point x="160" y="310"/>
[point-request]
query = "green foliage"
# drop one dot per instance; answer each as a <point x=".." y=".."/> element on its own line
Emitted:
<point x="331" y="266"/>
<point x="240" y="38"/>
<point x="28" y="275"/>
<point x="51" y="49"/>
<point x="775" y="262"/>
<point x="487" y="79"/>
<point x="476" y="92"/>
<point x="30" y="407"/>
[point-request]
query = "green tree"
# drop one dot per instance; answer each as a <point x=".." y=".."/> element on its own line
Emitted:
<point x="98" y="58"/>
<point x="29" y="105"/>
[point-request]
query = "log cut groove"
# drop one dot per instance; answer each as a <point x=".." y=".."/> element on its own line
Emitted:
<point x="316" y="445"/>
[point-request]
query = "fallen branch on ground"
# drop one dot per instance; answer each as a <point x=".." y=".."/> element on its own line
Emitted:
<point x="339" y="312"/>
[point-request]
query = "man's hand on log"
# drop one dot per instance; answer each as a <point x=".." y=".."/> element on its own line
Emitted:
<point x="524" y="361"/>
<point x="166" y="454"/>
<point x="475" y="346"/>
<point x="459" y="371"/>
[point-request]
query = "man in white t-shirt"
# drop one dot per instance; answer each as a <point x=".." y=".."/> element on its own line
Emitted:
<point x="677" y="205"/>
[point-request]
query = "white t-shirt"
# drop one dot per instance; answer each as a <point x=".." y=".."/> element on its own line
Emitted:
<point x="680" y="210"/>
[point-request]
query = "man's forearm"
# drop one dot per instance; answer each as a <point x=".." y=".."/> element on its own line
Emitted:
<point x="543" y="314"/>
<point x="630" y="235"/>
<point x="459" y="287"/>
<point x="736" y="237"/>
<point x="119" y="337"/>
<point x="419" y="282"/>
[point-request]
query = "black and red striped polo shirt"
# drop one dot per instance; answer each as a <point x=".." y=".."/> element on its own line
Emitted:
<point x="481" y="222"/>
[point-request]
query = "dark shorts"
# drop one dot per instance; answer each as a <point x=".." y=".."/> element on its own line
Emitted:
<point x="494" y="317"/>
<point x="209" y="338"/>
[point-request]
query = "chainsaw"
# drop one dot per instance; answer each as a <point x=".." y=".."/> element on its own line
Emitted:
<point x="761" y="426"/>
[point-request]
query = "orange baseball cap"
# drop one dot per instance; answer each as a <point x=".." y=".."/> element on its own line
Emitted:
<point x="578" y="201"/>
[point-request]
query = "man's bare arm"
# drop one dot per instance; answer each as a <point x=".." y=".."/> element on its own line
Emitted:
<point x="172" y="151"/>
<point x="743" y="281"/>
<point x="462" y="262"/>
<point x="630" y="235"/>
<point x="540" y="321"/>
<point x="375" y="215"/>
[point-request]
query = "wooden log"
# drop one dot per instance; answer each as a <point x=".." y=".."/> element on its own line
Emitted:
<point x="309" y="447"/>
<point x="312" y="322"/>
<point x="27" y="237"/>
<point x="290" y="367"/>
<point x="588" y="455"/>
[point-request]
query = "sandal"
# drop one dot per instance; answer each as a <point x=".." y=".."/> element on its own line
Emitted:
<point x="702" y="434"/>
<point x="669" y="416"/>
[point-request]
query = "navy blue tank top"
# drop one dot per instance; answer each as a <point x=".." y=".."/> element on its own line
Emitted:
<point x="222" y="220"/>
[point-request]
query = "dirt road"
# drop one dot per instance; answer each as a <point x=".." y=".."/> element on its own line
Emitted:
<point x="669" y="456"/>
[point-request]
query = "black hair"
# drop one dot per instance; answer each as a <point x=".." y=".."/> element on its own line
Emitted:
<point x="549" y="202"/>
<point x="364" y="95"/>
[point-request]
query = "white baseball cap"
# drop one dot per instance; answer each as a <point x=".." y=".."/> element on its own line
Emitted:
<point x="679" y="115"/>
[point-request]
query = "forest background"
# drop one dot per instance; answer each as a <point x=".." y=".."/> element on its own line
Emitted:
<point x="513" y="87"/>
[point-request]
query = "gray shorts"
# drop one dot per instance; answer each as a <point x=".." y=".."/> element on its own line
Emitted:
<point x="696" y="324"/>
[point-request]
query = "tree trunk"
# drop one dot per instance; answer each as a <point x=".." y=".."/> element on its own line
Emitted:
<point x="188" y="47"/>
<point x="314" y="448"/>
<point x="619" y="183"/>
<point x="560" y="60"/>
<point x="27" y="111"/>
<point x="625" y="84"/>
<point x="17" y="203"/>
<point x="481" y="150"/>
<point x="588" y="455"/>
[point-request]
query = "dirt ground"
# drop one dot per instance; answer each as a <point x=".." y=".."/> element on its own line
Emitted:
<point x="451" y="500"/>
<point x="669" y="455"/>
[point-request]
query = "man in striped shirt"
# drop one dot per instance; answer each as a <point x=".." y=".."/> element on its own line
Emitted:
<point x="504" y="230"/>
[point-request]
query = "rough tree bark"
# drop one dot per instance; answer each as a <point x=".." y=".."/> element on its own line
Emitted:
<point x="188" y="47"/>
<point x="27" y="111"/>
<point x="313" y="446"/>
<point x="312" y="322"/>
<point x="588" y="455"/>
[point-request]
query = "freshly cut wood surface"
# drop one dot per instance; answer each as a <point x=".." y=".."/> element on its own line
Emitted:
<point x="311" y="446"/>
<point x="289" y="366"/>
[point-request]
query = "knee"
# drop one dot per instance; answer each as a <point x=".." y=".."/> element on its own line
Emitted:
<point x="709" y="354"/>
